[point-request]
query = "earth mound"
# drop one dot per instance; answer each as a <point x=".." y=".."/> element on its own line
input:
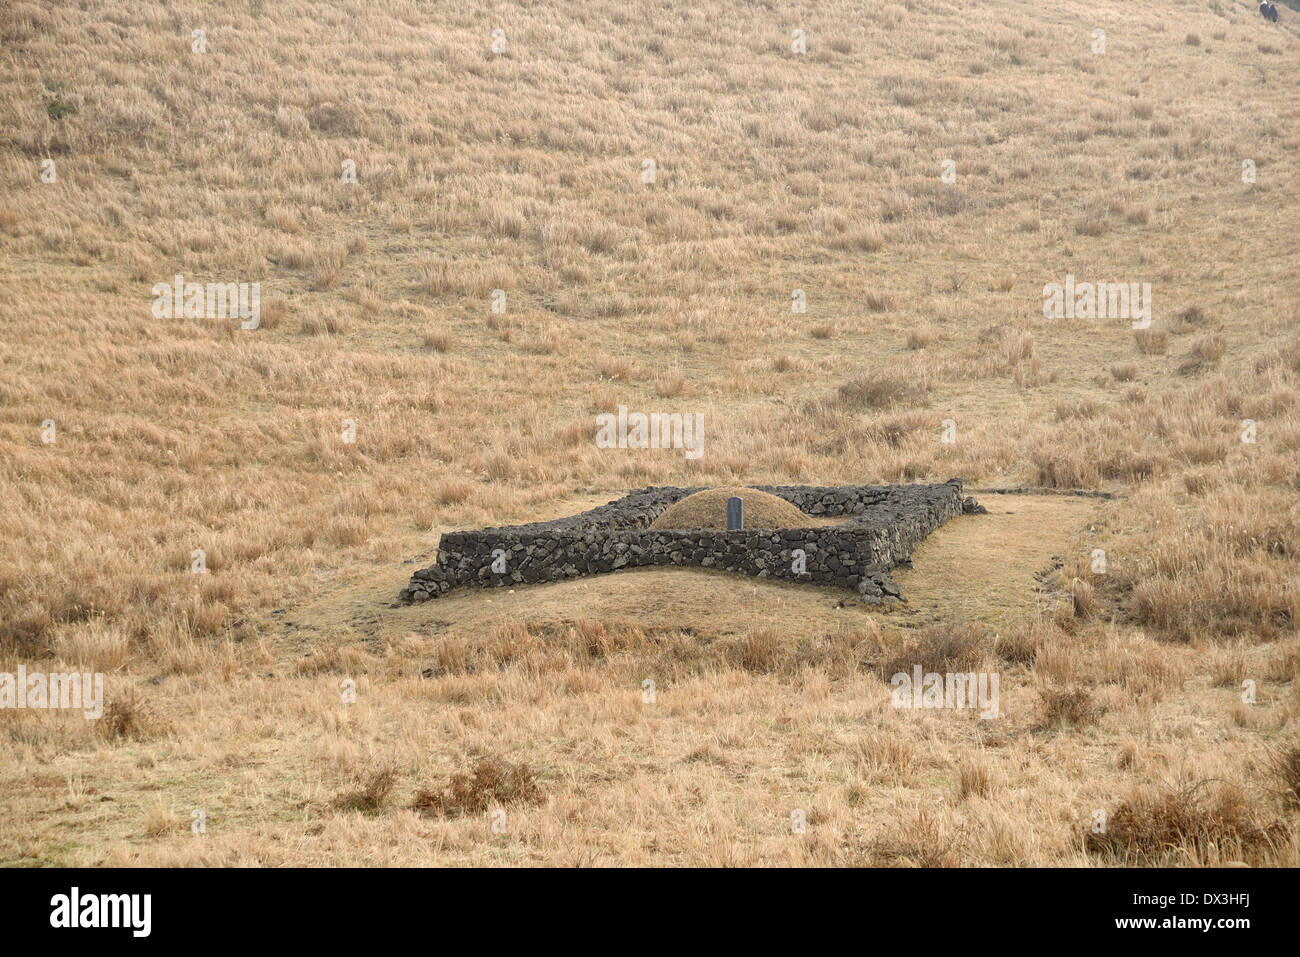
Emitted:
<point x="708" y="509"/>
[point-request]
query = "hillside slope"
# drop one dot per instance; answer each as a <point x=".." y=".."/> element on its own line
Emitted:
<point x="836" y="256"/>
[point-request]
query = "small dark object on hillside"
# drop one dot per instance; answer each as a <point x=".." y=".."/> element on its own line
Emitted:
<point x="1268" y="11"/>
<point x="492" y="782"/>
<point x="372" y="791"/>
<point x="57" y="107"/>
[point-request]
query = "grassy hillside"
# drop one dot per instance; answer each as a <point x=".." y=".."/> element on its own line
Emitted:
<point x="918" y="175"/>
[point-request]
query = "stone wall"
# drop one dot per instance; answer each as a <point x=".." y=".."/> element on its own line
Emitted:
<point x="883" y="524"/>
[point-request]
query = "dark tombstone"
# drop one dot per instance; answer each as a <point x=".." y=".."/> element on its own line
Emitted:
<point x="735" y="514"/>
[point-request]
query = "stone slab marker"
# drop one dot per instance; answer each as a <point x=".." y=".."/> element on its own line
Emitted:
<point x="735" y="513"/>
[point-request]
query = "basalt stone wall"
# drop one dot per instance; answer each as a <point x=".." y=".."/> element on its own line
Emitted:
<point x="883" y="524"/>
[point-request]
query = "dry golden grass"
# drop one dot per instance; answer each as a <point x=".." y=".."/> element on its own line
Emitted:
<point x="516" y="181"/>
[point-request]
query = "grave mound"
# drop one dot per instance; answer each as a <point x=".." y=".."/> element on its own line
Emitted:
<point x="708" y="509"/>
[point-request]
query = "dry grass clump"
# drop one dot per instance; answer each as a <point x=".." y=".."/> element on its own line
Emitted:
<point x="975" y="778"/>
<point x="437" y="340"/>
<point x="327" y="324"/>
<point x="923" y="336"/>
<point x="759" y="651"/>
<point x="880" y="392"/>
<point x="1285" y="764"/>
<point x="1151" y="342"/>
<point x="1123" y="372"/>
<point x="668" y="387"/>
<point x="940" y="648"/>
<point x="1198" y="483"/>
<point x="1071" y="707"/>
<point x="920" y="840"/>
<point x="893" y="430"/>
<point x="1204" y="354"/>
<point x="770" y="651"/>
<point x="1085" y="408"/>
<point x="493" y="782"/>
<point x="1207" y="822"/>
<point x="1061" y="467"/>
<point x="1082" y="597"/>
<point x="452" y="492"/>
<point x="1022" y="642"/>
<point x="129" y="717"/>
<point x="1015" y="346"/>
<point x="878" y="301"/>
<point x="371" y="793"/>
